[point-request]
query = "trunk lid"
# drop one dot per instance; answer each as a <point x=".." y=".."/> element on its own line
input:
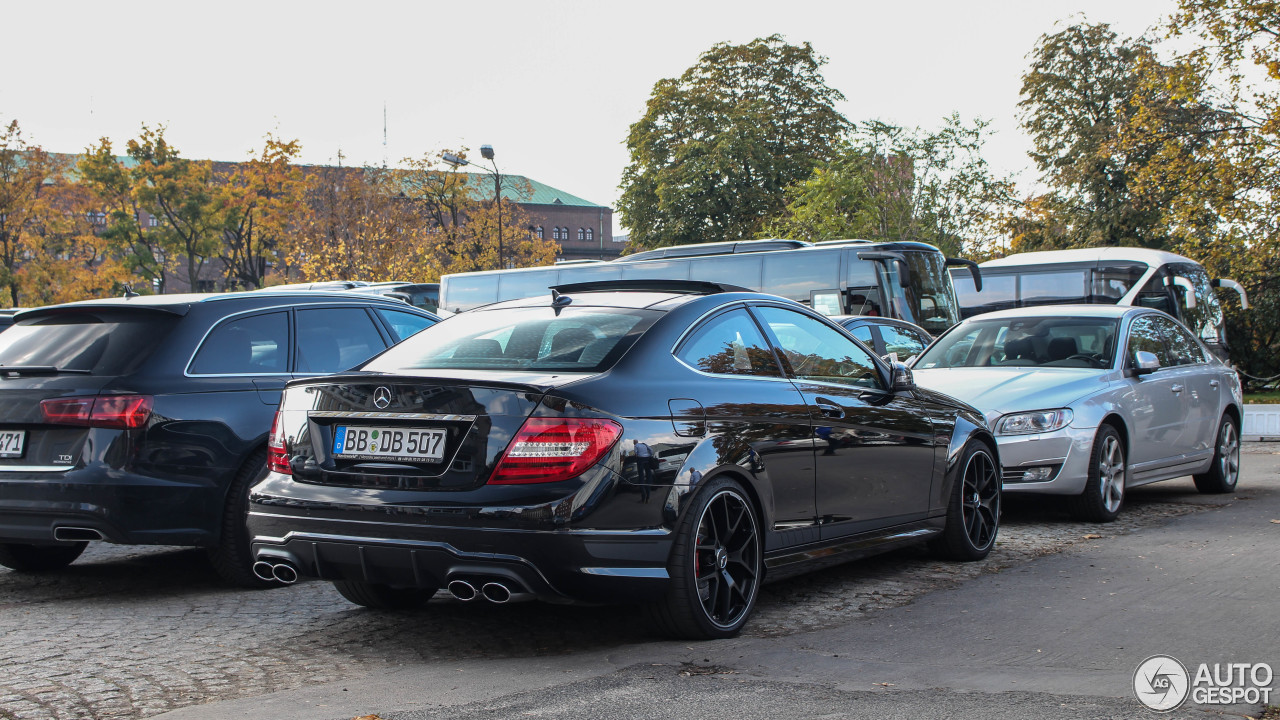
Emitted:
<point x="473" y="419"/>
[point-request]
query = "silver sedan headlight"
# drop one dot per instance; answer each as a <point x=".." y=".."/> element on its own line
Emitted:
<point x="1038" y="421"/>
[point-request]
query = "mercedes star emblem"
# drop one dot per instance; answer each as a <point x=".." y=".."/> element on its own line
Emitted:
<point x="382" y="398"/>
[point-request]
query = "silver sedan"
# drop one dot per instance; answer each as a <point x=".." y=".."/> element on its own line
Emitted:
<point x="1090" y="400"/>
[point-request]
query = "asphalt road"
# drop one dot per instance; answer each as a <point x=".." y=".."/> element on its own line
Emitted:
<point x="149" y="632"/>
<point x="1057" y="637"/>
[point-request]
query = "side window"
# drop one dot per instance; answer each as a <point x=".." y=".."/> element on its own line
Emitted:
<point x="405" y="324"/>
<point x="1182" y="349"/>
<point x="334" y="339"/>
<point x="863" y="333"/>
<point x="817" y="352"/>
<point x="729" y="344"/>
<point x="900" y="340"/>
<point x="1146" y="335"/>
<point x="252" y="345"/>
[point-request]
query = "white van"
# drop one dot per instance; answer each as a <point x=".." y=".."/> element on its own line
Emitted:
<point x="1106" y="275"/>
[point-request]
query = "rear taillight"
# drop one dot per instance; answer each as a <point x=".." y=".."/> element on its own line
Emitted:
<point x="124" y="412"/>
<point x="278" y="448"/>
<point x="554" y="449"/>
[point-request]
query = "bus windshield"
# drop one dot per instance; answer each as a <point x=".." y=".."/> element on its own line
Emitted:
<point x="929" y="300"/>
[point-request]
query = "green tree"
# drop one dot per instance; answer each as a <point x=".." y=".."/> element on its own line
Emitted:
<point x="717" y="147"/>
<point x="1220" y="172"/>
<point x="24" y="195"/>
<point x="1073" y="99"/>
<point x="260" y="200"/>
<point x="893" y="183"/>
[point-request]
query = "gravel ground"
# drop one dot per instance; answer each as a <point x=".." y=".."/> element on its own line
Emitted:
<point x="132" y="632"/>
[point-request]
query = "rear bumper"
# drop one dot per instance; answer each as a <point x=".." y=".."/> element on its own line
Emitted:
<point x="120" y="507"/>
<point x="563" y="565"/>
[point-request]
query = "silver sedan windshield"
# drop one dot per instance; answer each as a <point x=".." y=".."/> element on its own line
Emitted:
<point x="1080" y="342"/>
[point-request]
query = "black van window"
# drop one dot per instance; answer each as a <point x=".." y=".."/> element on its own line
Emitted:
<point x="253" y="345"/>
<point x="334" y="339"/>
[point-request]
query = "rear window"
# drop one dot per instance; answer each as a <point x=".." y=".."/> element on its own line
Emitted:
<point x="573" y="340"/>
<point x="102" y="343"/>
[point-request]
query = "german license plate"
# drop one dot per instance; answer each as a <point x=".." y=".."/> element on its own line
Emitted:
<point x="11" y="442"/>
<point x="399" y="444"/>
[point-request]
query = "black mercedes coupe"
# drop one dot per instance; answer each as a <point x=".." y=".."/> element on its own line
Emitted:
<point x="669" y="444"/>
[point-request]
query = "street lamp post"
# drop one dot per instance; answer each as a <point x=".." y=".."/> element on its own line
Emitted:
<point x="486" y="152"/>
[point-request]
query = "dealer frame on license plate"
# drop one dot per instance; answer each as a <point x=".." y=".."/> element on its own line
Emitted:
<point x="12" y="443"/>
<point x="395" y="444"/>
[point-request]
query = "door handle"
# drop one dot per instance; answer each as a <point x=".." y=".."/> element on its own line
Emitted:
<point x="1176" y="389"/>
<point x="1213" y="383"/>
<point x="829" y="408"/>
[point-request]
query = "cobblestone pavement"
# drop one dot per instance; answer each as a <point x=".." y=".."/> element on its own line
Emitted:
<point x="132" y="632"/>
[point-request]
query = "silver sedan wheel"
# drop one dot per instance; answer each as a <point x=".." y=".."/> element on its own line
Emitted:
<point x="1229" y="454"/>
<point x="1111" y="473"/>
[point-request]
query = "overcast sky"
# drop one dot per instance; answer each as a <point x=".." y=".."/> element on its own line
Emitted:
<point x="552" y="85"/>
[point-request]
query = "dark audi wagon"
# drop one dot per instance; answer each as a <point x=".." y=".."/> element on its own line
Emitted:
<point x="144" y="420"/>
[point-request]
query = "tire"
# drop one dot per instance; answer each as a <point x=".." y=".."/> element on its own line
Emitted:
<point x="383" y="597"/>
<point x="1225" y="470"/>
<point x="715" y="568"/>
<point x="232" y="557"/>
<point x="1103" y="495"/>
<point x="39" y="558"/>
<point x="973" y="512"/>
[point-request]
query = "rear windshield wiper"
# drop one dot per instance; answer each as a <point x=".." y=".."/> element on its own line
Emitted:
<point x="41" y="370"/>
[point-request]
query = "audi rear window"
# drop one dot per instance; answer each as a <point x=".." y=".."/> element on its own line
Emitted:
<point x="588" y="339"/>
<point x="99" y="343"/>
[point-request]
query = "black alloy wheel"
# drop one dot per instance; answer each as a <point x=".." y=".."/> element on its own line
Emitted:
<point x="973" y="515"/>
<point x="716" y="567"/>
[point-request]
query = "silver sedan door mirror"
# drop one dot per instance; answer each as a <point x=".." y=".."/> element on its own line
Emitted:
<point x="903" y="380"/>
<point x="1145" y="363"/>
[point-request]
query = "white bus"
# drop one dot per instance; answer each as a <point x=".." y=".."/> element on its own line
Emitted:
<point x="1107" y="275"/>
<point x="904" y="280"/>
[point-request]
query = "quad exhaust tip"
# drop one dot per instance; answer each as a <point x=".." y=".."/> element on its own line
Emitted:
<point x="496" y="592"/>
<point x="77" y="534"/>
<point x="462" y="590"/>
<point x="278" y="572"/>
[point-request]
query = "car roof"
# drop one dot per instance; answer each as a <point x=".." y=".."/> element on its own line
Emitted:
<point x="1100" y="311"/>
<point x="1098" y="254"/>
<point x="180" y="303"/>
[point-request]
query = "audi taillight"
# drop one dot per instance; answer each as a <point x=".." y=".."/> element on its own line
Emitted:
<point x="278" y="448"/>
<point x="554" y="449"/>
<point x="122" y="412"/>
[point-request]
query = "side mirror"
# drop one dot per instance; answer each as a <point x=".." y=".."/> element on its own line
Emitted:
<point x="1144" y="363"/>
<point x="903" y="381"/>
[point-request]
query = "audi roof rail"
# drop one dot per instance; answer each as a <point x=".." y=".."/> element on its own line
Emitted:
<point x="681" y="287"/>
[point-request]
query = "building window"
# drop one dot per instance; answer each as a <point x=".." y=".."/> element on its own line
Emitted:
<point x="590" y="235"/>
<point x="581" y="235"/>
<point x="538" y="231"/>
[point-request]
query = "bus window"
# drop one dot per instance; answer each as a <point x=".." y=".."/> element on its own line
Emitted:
<point x="863" y="283"/>
<point x="657" y="270"/>
<point x="826" y="302"/>
<point x="999" y="292"/>
<point x="1155" y="295"/>
<point x="464" y="293"/>
<point x="589" y="273"/>
<point x="794" y="274"/>
<point x="1053" y="288"/>
<point x="741" y="270"/>
<point x="1110" y="284"/>
<point x="514" y="286"/>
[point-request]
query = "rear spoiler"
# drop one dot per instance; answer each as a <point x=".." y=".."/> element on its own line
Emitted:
<point x="91" y="306"/>
<point x="683" y="287"/>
